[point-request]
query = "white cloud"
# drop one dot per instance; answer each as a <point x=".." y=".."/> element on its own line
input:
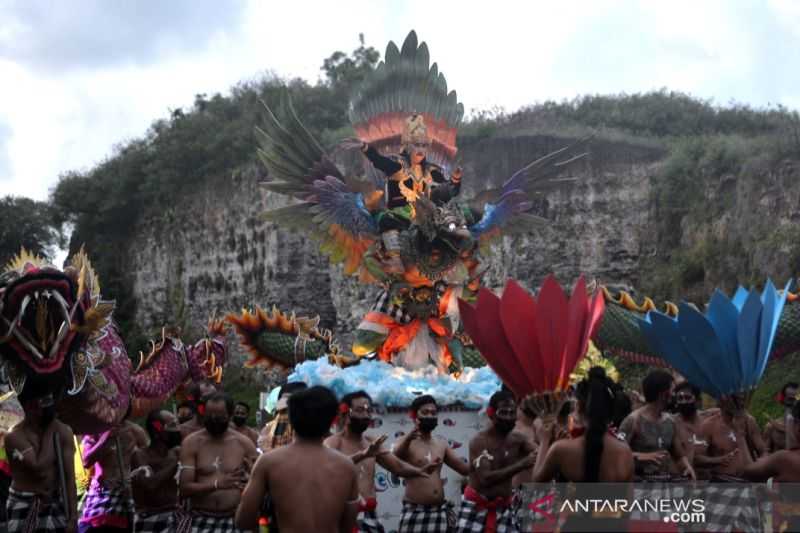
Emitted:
<point x="66" y="111"/>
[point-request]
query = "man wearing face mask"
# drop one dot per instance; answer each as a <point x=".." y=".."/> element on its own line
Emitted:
<point x="424" y="506"/>
<point x="214" y="467"/>
<point x="198" y="393"/>
<point x="689" y="422"/>
<point x="35" y="502"/>
<point x="778" y="433"/>
<point x="155" y="489"/>
<point x="496" y="454"/>
<point x="356" y="410"/>
<point x="240" y="413"/>
<point x="278" y="431"/>
<point x="652" y="433"/>
<point x="732" y="432"/>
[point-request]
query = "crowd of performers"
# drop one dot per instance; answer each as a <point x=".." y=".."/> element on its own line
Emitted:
<point x="312" y="468"/>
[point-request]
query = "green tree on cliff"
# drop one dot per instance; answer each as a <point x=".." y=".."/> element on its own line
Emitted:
<point x="26" y="223"/>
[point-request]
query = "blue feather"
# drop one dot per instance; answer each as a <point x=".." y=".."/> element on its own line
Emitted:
<point x="726" y="350"/>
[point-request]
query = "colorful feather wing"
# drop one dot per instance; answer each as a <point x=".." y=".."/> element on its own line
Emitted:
<point x="331" y="209"/>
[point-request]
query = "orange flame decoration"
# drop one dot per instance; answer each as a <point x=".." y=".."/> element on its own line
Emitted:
<point x="533" y="345"/>
<point x="250" y="324"/>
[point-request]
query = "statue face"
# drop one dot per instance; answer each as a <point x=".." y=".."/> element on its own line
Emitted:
<point x="417" y="151"/>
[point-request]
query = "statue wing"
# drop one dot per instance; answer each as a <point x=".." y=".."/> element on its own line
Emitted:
<point x="333" y="209"/>
<point x="506" y="209"/>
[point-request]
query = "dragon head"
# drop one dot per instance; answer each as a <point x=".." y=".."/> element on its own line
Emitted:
<point x="46" y="313"/>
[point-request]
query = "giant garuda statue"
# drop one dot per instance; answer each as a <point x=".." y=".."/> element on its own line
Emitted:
<point x="57" y="336"/>
<point x="404" y="227"/>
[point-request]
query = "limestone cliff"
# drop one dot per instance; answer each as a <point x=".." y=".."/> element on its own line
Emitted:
<point x="214" y="251"/>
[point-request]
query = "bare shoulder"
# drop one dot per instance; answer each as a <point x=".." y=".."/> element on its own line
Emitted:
<point x="341" y="460"/>
<point x="193" y="441"/>
<point x="15" y="437"/>
<point x="334" y="441"/>
<point x="67" y="436"/>
<point x="246" y="442"/>
<point x="478" y="440"/>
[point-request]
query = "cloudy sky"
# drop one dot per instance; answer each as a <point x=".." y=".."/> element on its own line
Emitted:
<point x="79" y="76"/>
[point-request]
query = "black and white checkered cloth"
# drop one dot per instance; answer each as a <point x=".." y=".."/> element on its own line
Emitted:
<point x="27" y="512"/>
<point x="734" y="508"/>
<point x="418" y="518"/>
<point x="103" y="502"/>
<point x="204" y="523"/>
<point x="383" y="304"/>
<point x="155" y="522"/>
<point x="654" y="492"/>
<point x="472" y="519"/>
<point x="368" y="522"/>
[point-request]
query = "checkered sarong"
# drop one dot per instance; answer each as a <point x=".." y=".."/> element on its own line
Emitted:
<point x="655" y="491"/>
<point x="105" y="506"/>
<point x="31" y="513"/>
<point x="155" y="522"/>
<point x="383" y="304"/>
<point x="205" y="523"/>
<point x="472" y="519"/>
<point x="368" y="522"/>
<point x="418" y="518"/>
<point x="734" y="508"/>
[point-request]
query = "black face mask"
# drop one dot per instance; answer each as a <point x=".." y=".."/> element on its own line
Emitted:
<point x="359" y="425"/>
<point x="504" y="426"/>
<point x="184" y="419"/>
<point x="215" y="426"/>
<point x="687" y="409"/>
<point x="428" y="423"/>
<point x="239" y="420"/>
<point x="172" y="438"/>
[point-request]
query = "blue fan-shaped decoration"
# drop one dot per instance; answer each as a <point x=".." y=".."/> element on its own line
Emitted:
<point x="725" y="350"/>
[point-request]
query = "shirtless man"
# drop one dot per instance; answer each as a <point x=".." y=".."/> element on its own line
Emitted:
<point x="777" y="433"/>
<point x="108" y="505"/>
<point x="240" y="413"/>
<point x="36" y="494"/>
<point x="496" y="454"/>
<point x="783" y="465"/>
<point x="689" y="421"/>
<point x="652" y="434"/>
<point x="155" y="490"/>
<point x="214" y="465"/>
<point x="356" y="410"/>
<point x="198" y="393"/>
<point x="733" y="436"/>
<point x="313" y="488"/>
<point x="526" y="425"/>
<point x="424" y="506"/>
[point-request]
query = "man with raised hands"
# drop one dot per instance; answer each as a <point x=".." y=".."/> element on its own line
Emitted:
<point x="496" y="454"/>
<point x="424" y="506"/>
<point x="356" y="412"/>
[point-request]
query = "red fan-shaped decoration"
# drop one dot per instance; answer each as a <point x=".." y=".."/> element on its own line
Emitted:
<point x="533" y="344"/>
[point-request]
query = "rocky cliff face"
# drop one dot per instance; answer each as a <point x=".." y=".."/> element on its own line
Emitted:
<point x="213" y="251"/>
